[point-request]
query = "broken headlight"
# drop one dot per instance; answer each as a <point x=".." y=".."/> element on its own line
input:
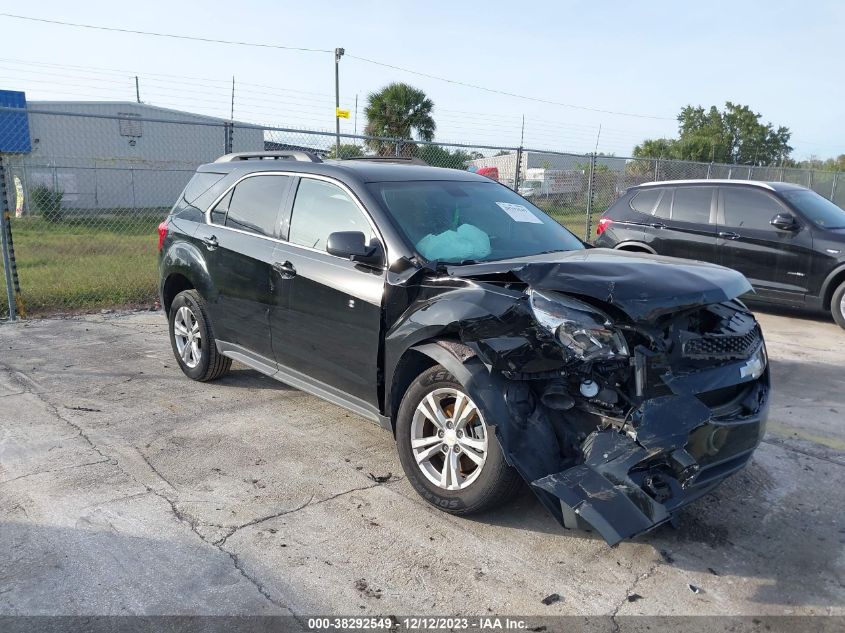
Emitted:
<point x="586" y="331"/>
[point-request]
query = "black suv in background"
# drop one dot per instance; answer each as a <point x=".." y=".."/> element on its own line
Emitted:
<point x="486" y="337"/>
<point x="787" y="240"/>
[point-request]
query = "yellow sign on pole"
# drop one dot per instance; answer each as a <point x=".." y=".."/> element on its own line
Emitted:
<point x="341" y="114"/>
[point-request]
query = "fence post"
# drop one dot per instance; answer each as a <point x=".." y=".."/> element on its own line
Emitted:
<point x="516" y="173"/>
<point x="590" y="185"/>
<point x="656" y="168"/>
<point x="709" y="167"/>
<point x="809" y="179"/>
<point x="228" y="134"/>
<point x="833" y="188"/>
<point x="132" y="178"/>
<point x="5" y="234"/>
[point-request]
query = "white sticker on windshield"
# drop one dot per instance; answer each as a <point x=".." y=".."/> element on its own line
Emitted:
<point x="519" y="213"/>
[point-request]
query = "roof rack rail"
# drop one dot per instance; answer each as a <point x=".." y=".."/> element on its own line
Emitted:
<point x="410" y="160"/>
<point x="307" y="157"/>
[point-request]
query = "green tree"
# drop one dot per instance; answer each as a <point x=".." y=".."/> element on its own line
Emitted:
<point x="440" y="157"/>
<point x="347" y="150"/>
<point x="732" y="135"/>
<point x="398" y="111"/>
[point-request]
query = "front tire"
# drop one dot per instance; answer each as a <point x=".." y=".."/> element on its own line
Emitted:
<point x="448" y="452"/>
<point x="837" y="305"/>
<point x="192" y="339"/>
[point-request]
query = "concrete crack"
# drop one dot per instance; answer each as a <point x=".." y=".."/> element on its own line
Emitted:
<point x="308" y="503"/>
<point x="54" y="470"/>
<point x="782" y="444"/>
<point x="629" y="590"/>
<point x="153" y="468"/>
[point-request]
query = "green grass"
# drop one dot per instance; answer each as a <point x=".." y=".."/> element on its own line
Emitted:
<point x="84" y="263"/>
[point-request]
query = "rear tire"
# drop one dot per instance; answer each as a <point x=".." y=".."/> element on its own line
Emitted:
<point x="474" y="487"/>
<point x="837" y="305"/>
<point x="192" y="339"/>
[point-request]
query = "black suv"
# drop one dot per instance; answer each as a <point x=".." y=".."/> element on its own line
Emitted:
<point x="787" y="240"/>
<point x="492" y="342"/>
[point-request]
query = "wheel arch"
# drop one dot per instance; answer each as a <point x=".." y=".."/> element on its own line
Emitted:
<point x="183" y="268"/>
<point x="486" y="389"/>
<point x="831" y="283"/>
<point x="174" y="283"/>
<point x="634" y="246"/>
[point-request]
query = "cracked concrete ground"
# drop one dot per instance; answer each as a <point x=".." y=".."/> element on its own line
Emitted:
<point x="126" y="488"/>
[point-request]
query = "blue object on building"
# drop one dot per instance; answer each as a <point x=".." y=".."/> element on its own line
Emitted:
<point x="14" y="126"/>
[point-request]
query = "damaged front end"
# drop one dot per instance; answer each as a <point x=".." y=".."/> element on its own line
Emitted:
<point x="616" y="409"/>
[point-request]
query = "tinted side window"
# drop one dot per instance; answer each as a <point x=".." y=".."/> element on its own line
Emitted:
<point x="321" y="208"/>
<point x="665" y="204"/>
<point x="199" y="192"/>
<point x="644" y="201"/>
<point x="254" y="205"/>
<point x="218" y="213"/>
<point x="748" y="209"/>
<point x="692" y="204"/>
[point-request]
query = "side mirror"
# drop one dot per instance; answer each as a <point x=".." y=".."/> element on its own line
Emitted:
<point x="785" y="222"/>
<point x="353" y="245"/>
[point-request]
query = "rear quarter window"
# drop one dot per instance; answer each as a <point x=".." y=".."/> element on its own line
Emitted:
<point x="645" y="201"/>
<point x="200" y="192"/>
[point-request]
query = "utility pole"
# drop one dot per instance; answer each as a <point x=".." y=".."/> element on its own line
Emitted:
<point x="137" y="90"/>
<point x="355" y="129"/>
<point x="338" y="53"/>
<point x="232" y="108"/>
<point x="229" y="141"/>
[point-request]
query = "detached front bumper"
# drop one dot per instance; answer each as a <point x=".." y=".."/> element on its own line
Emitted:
<point x="676" y="450"/>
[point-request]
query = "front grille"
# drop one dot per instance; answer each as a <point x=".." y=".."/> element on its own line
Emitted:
<point x="723" y="346"/>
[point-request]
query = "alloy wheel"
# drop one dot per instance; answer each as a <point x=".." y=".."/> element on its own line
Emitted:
<point x="449" y="439"/>
<point x="188" y="337"/>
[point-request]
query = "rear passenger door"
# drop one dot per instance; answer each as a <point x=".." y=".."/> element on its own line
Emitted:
<point x="239" y="243"/>
<point x="776" y="262"/>
<point x="330" y="329"/>
<point x="688" y="218"/>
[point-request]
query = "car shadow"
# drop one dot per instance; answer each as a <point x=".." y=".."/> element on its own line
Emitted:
<point x="738" y="530"/>
<point x="243" y="377"/>
<point x="792" y="313"/>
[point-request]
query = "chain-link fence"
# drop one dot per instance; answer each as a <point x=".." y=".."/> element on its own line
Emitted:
<point x="85" y="190"/>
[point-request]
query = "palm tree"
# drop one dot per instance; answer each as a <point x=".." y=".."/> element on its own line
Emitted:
<point x="397" y="111"/>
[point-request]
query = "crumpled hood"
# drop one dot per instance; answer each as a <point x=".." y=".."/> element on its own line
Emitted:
<point x="641" y="285"/>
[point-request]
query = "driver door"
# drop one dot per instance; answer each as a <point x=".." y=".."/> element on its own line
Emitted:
<point x="330" y="329"/>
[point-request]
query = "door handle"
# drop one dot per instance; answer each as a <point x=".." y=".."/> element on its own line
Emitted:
<point x="210" y="242"/>
<point x="728" y="235"/>
<point x="286" y="270"/>
<point x="657" y="225"/>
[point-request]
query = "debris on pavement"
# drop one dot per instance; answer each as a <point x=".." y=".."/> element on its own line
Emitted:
<point x="694" y="589"/>
<point x="667" y="557"/>
<point x="364" y="588"/>
<point x="634" y="597"/>
<point x="551" y="599"/>
<point x="382" y="479"/>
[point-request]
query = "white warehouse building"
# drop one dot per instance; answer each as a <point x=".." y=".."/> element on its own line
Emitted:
<point x="121" y="155"/>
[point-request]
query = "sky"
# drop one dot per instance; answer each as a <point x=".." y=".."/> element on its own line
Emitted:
<point x="628" y="67"/>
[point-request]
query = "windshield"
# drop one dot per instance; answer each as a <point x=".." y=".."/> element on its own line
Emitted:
<point x="455" y="222"/>
<point x="820" y="211"/>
